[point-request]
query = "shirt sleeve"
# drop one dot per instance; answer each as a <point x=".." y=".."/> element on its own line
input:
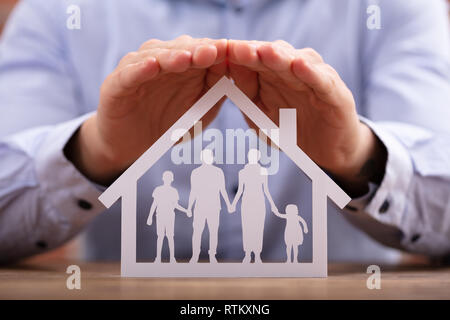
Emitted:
<point x="407" y="101"/>
<point x="44" y="200"/>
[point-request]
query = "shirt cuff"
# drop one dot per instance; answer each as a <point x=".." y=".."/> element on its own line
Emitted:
<point x="73" y="196"/>
<point x="386" y="202"/>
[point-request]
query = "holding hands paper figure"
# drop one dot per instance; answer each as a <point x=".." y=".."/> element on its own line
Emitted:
<point x="165" y="201"/>
<point x="293" y="234"/>
<point x="207" y="184"/>
<point x="253" y="186"/>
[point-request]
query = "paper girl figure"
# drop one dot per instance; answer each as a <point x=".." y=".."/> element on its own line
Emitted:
<point x="293" y="233"/>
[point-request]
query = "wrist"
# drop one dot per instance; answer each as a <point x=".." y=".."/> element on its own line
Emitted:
<point x="366" y="164"/>
<point x="89" y="155"/>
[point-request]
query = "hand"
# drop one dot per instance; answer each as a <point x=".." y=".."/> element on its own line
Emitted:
<point x="277" y="75"/>
<point x="231" y="208"/>
<point x="306" y="230"/>
<point x="150" y="221"/>
<point x="189" y="213"/>
<point x="149" y="90"/>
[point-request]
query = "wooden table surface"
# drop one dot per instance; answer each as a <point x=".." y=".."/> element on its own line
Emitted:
<point x="47" y="280"/>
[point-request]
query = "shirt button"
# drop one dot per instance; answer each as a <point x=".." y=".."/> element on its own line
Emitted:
<point x="41" y="244"/>
<point x="85" y="205"/>
<point x="385" y="206"/>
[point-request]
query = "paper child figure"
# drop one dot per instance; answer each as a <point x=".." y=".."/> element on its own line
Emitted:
<point x="165" y="201"/>
<point x="293" y="234"/>
<point x="207" y="184"/>
<point x="254" y="188"/>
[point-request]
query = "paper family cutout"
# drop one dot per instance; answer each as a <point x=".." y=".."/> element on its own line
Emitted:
<point x="207" y="185"/>
<point x="284" y="137"/>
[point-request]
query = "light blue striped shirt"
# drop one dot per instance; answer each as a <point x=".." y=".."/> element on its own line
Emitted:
<point x="399" y="75"/>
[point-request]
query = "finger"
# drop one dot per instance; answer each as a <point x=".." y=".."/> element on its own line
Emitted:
<point x="245" y="53"/>
<point x="172" y="60"/>
<point x="131" y="77"/>
<point x="204" y="56"/>
<point x="318" y="80"/>
<point x="188" y="43"/>
<point x="208" y="52"/>
<point x="310" y="55"/>
<point x="179" y="60"/>
<point x="129" y="58"/>
<point x="284" y="44"/>
<point x="271" y="60"/>
<point x="275" y="57"/>
<point x="199" y="48"/>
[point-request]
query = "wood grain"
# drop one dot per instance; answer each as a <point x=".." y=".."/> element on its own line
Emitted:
<point x="47" y="280"/>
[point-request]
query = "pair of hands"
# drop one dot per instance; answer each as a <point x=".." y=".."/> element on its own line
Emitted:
<point x="154" y="86"/>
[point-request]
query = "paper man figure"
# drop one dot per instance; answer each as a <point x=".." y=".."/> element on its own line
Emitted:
<point x="165" y="201"/>
<point x="253" y="186"/>
<point x="293" y="234"/>
<point x="207" y="184"/>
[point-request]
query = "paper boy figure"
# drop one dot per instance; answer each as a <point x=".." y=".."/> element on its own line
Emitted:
<point x="165" y="201"/>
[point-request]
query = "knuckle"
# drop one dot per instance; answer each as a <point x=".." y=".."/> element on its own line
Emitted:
<point x="184" y="37"/>
<point x="129" y="57"/>
<point x="108" y="83"/>
<point x="331" y="71"/>
<point x="309" y="50"/>
<point x="283" y="43"/>
<point x="313" y="54"/>
<point x="149" y="43"/>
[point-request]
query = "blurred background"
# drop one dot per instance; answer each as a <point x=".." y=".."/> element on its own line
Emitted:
<point x="72" y="249"/>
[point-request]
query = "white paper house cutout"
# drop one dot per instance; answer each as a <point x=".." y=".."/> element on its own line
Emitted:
<point x="125" y="188"/>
